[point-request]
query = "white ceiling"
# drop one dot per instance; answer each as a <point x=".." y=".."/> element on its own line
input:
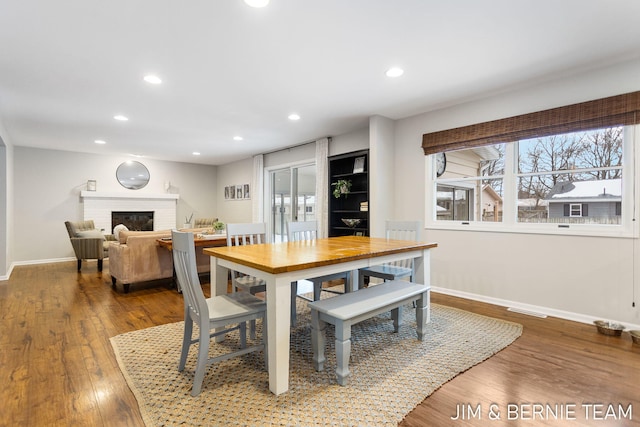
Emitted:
<point x="68" y="66"/>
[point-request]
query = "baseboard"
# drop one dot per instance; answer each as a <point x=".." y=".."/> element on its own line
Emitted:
<point x="566" y="315"/>
<point x="35" y="262"/>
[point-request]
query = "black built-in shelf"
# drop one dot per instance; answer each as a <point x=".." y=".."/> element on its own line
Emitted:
<point x="342" y="167"/>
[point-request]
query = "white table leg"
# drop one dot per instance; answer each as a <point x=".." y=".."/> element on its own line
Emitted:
<point x="278" y="333"/>
<point x="219" y="277"/>
<point x="422" y="267"/>
<point x="353" y="284"/>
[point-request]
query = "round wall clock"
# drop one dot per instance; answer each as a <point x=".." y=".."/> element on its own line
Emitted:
<point x="441" y="163"/>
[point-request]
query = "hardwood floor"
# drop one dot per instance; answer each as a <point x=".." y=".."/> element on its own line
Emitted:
<point x="58" y="368"/>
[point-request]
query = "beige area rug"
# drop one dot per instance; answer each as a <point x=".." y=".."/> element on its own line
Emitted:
<point x="391" y="373"/>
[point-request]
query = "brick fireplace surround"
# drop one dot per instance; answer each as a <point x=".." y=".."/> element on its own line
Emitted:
<point x="98" y="207"/>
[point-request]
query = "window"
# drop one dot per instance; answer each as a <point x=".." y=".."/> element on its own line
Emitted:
<point x="575" y="209"/>
<point x="575" y="175"/>
<point x="576" y="180"/>
<point x="470" y="187"/>
<point x="453" y="203"/>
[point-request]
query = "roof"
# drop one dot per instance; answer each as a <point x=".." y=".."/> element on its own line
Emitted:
<point x="602" y="190"/>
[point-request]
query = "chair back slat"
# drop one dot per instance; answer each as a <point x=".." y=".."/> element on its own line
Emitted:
<point x="246" y="234"/>
<point x="184" y="262"/>
<point x="403" y="230"/>
<point x="302" y="230"/>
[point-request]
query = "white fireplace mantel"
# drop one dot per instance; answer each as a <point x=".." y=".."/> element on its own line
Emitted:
<point x="146" y="196"/>
<point x="99" y="205"/>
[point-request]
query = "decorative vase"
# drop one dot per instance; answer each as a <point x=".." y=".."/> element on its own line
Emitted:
<point x="186" y="225"/>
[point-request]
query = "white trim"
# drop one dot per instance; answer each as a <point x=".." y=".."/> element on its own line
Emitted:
<point x="35" y="262"/>
<point x="44" y="261"/>
<point x="566" y="315"/>
<point x="571" y="206"/>
<point x="101" y="195"/>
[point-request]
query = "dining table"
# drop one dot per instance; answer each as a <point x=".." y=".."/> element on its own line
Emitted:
<point x="279" y="264"/>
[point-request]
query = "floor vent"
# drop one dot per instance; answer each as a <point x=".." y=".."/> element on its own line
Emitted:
<point x="527" y="312"/>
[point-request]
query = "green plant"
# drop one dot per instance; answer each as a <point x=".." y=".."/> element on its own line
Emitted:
<point x="218" y="225"/>
<point x="188" y="219"/>
<point x="341" y="186"/>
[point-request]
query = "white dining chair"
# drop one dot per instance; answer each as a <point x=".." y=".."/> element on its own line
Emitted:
<point x="308" y="230"/>
<point x="217" y="312"/>
<point x="399" y="230"/>
<point x="250" y="234"/>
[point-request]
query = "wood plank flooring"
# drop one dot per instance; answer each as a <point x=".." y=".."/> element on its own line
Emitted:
<point x="58" y="368"/>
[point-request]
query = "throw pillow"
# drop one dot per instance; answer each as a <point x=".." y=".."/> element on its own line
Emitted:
<point x="117" y="229"/>
<point x="93" y="234"/>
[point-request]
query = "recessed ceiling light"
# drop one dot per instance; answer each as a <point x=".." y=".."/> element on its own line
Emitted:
<point x="100" y="141"/>
<point x="237" y="138"/>
<point x="121" y="118"/>
<point x="196" y="153"/>
<point x="154" y="80"/>
<point x="294" y="117"/>
<point x="394" y="72"/>
<point x="257" y="3"/>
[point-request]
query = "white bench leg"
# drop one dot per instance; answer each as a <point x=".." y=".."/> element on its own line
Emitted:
<point x="396" y="315"/>
<point x="422" y="314"/>
<point x="318" y="340"/>
<point x="343" y="351"/>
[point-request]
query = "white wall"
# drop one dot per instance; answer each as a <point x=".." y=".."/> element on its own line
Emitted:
<point x="577" y="277"/>
<point x="381" y="176"/>
<point x="47" y="189"/>
<point x="6" y="203"/>
<point x="289" y="156"/>
<point x="349" y="142"/>
<point x="233" y="211"/>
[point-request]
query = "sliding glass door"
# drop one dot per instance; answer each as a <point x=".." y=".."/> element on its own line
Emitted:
<point x="293" y="195"/>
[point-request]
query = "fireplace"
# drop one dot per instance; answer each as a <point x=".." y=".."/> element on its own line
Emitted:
<point x="137" y="221"/>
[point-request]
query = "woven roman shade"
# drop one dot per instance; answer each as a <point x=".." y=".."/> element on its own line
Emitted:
<point x="612" y="111"/>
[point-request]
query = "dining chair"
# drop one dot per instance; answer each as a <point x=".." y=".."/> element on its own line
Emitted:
<point x="399" y="230"/>
<point x="250" y="234"/>
<point x="308" y="230"/>
<point x="211" y="314"/>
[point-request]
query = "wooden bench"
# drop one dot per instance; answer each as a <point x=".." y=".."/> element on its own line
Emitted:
<point x="350" y="308"/>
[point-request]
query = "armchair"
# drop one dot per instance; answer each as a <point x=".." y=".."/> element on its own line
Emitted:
<point x="88" y="242"/>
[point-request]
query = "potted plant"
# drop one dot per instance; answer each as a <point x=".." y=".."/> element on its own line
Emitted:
<point x="341" y="187"/>
<point x="187" y="221"/>
<point x="218" y="226"/>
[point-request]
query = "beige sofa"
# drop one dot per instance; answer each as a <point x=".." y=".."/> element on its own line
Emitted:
<point x="137" y="257"/>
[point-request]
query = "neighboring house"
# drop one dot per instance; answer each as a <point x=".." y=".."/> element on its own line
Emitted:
<point x="468" y="200"/>
<point x="491" y="204"/>
<point x="533" y="210"/>
<point x="587" y="201"/>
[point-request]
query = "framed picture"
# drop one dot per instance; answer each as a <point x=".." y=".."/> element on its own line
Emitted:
<point x="239" y="192"/>
<point x="358" y="165"/>
<point x="245" y="191"/>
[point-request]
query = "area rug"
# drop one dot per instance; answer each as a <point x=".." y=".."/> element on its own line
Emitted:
<point x="391" y="372"/>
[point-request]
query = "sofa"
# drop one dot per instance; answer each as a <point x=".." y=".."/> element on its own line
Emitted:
<point x="137" y="257"/>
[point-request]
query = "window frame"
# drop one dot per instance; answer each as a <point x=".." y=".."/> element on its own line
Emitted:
<point x="630" y="184"/>
<point x="573" y="214"/>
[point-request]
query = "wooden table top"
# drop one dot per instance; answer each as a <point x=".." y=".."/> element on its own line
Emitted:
<point x="212" y="240"/>
<point x="277" y="258"/>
